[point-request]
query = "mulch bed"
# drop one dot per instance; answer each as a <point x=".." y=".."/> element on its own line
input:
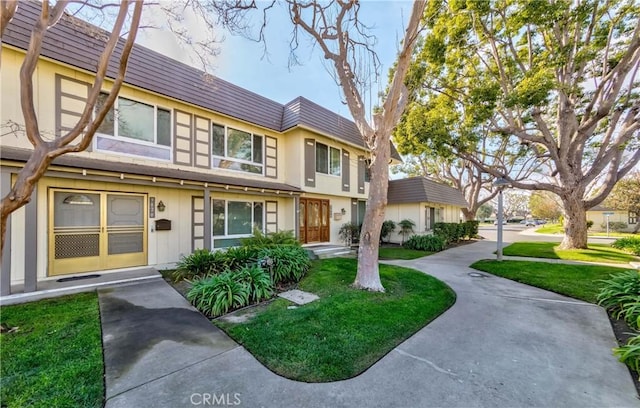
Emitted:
<point x="623" y="333"/>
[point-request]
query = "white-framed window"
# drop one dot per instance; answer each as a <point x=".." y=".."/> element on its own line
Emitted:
<point x="135" y="128"/>
<point x="328" y="159"/>
<point x="236" y="218"/>
<point x="235" y="149"/>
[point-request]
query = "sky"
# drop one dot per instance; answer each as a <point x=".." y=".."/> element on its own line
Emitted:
<point x="242" y="62"/>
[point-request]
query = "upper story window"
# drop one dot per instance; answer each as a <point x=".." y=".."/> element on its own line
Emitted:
<point x="327" y="159"/>
<point x="236" y="150"/>
<point x="633" y="217"/>
<point x="367" y="170"/>
<point x="135" y="128"/>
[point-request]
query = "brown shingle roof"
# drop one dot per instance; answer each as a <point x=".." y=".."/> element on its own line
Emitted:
<point x="422" y="189"/>
<point x="77" y="43"/>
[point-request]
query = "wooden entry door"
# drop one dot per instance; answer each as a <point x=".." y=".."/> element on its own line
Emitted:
<point x="314" y="220"/>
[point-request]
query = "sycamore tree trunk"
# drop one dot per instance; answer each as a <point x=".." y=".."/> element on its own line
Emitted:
<point x="368" y="275"/>
<point x="469" y="214"/>
<point x="575" y="221"/>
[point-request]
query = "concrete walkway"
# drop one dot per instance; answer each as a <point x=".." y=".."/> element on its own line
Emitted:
<point x="502" y="344"/>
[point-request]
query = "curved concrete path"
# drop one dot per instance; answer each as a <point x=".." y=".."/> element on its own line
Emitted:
<point x="502" y="344"/>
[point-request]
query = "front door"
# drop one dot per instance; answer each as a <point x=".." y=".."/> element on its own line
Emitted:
<point x="90" y="231"/>
<point x="314" y="220"/>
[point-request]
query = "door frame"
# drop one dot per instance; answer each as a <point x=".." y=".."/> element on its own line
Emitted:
<point x="103" y="261"/>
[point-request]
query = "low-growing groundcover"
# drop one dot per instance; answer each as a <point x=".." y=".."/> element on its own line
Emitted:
<point x="578" y="281"/>
<point x="346" y="330"/>
<point x="595" y="253"/>
<point x="54" y="358"/>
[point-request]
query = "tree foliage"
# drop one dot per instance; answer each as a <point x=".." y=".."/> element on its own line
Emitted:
<point x="626" y="195"/>
<point x="543" y="204"/>
<point x="556" y="81"/>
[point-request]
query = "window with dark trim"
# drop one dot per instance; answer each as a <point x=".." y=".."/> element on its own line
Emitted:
<point x="633" y="217"/>
<point x="328" y="159"/>
<point x="235" y="218"/>
<point x="367" y="170"/>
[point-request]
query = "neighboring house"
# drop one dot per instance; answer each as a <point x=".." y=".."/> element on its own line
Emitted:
<point x="600" y="213"/>
<point x="423" y="201"/>
<point x="184" y="161"/>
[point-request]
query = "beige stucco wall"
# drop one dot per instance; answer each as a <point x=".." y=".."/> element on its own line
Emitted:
<point x="162" y="246"/>
<point x="45" y="101"/>
<point x="599" y="218"/>
<point x="416" y="213"/>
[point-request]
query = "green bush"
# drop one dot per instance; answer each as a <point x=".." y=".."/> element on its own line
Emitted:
<point x="217" y="294"/>
<point x="260" y="240"/>
<point x="628" y="244"/>
<point x="200" y="263"/>
<point x="630" y="354"/>
<point x="589" y="224"/>
<point x="431" y="243"/>
<point x="619" y="294"/>
<point x="286" y="263"/>
<point x="258" y="281"/>
<point x="239" y="257"/>
<point x="349" y="233"/>
<point x="450" y="231"/>
<point x="614" y="226"/>
<point x="387" y="228"/>
<point x="470" y="229"/>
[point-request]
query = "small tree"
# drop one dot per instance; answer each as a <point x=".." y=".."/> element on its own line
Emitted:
<point x="406" y="228"/>
<point x="387" y="228"/>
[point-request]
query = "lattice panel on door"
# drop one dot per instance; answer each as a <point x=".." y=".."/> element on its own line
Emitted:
<point x="77" y="246"/>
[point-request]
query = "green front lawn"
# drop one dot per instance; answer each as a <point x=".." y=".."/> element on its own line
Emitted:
<point x="577" y="281"/>
<point x="401" y="253"/>
<point x="346" y="330"/>
<point x="54" y="359"/>
<point x="559" y="229"/>
<point x="595" y="253"/>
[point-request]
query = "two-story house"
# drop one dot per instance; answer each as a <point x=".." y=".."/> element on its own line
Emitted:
<point x="183" y="161"/>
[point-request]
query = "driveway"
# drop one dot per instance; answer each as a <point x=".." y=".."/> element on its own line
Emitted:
<point x="502" y="344"/>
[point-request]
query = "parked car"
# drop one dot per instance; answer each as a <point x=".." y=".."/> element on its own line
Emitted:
<point x="534" y="223"/>
<point x="504" y="222"/>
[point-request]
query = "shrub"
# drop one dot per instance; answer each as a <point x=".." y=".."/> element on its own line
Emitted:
<point x="387" y="228"/>
<point x="239" y="257"/>
<point x="201" y="263"/>
<point x="260" y="240"/>
<point x="470" y="229"/>
<point x="258" y="281"/>
<point x="287" y="263"/>
<point x="217" y="294"/>
<point x="630" y="353"/>
<point x="450" y="231"/>
<point x="614" y="226"/>
<point x="431" y="243"/>
<point x="589" y="224"/>
<point x="619" y="294"/>
<point x="406" y="228"/>
<point x="349" y="233"/>
<point x="628" y="244"/>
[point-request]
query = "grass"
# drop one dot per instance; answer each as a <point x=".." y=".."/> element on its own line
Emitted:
<point x="346" y="330"/>
<point x="595" y="252"/>
<point x="54" y="359"/>
<point x="559" y="229"/>
<point x="401" y="253"/>
<point x="577" y="281"/>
